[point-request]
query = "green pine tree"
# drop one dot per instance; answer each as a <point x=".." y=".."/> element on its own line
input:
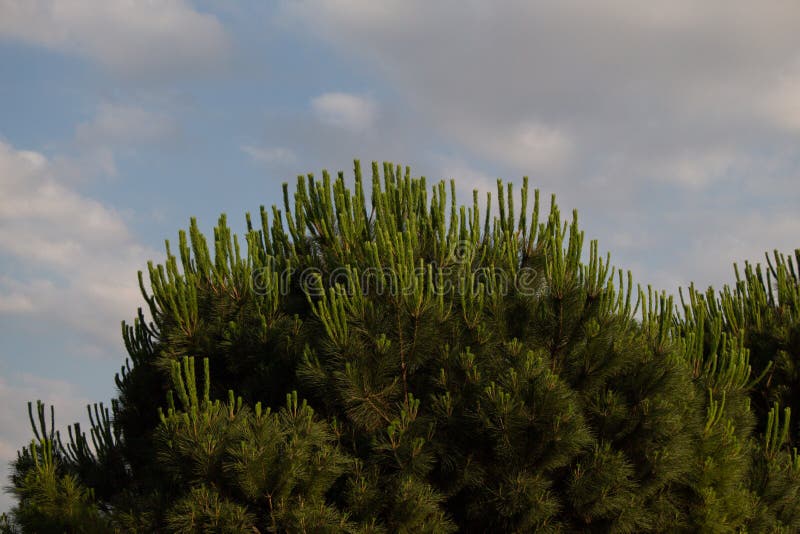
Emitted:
<point x="383" y="359"/>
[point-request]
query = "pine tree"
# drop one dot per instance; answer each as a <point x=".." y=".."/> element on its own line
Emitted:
<point x="760" y="319"/>
<point x="404" y="363"/>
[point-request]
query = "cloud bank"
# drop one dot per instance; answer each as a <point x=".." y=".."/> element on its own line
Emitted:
<point x="674" y="123"/>
<point x="72" y="259"/>
<point x="128" y="37"/>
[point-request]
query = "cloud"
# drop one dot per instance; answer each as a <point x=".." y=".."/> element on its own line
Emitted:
<point x="13" y="302"/>
<point x="270" y="155"/>
<point x="612" y="77"/>
<point x="129" y="37"/>
<point x="699" y="171"/>
<point x="782" y="102"/>
<point x="72" y="252"/>
<point x="350" y="112"/>
<point x="119" y="125"/>
<point x="527" y="145"/>
<point x="736" y="238"/>
<point x="467" y="178"/>
<point x="114" y="130"/>
<point x="642" y="118"/>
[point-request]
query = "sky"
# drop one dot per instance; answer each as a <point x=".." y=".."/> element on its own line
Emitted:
<point x="672" y="127"/>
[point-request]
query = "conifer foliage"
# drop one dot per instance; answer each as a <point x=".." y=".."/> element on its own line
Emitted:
<point x="383" y="359"/>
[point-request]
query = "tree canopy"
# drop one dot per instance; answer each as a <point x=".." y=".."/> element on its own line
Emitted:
<point x="383" y="359"/>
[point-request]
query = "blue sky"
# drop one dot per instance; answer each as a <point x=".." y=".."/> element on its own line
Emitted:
<point x="672" y="127"/>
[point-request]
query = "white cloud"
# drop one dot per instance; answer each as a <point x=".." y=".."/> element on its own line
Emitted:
<point x="351" y="112"/>
<point x="634" y="79"/>
<point x="115" y="124"/>
<point x="13" y="302"/>
<point x="528" y="146"/>
<point x="270" y="155"/>
<point x="735" y="238"/>
<point x="467" y="178"/>
<point x="629" y="112"/>
<point x="782" y="102"/>
<point x="130" y="37"/>
<point x="114" y="130"/>
<point x="699" y="171"/>
<point x="79" y="254"/>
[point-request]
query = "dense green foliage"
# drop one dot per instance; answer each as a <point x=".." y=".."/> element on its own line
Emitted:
<point x="408" y="364"/>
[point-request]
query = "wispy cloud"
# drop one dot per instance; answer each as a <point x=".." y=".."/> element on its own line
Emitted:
<point x="653" y="110"/>
<point x="270" y="155"/>
<point x="526" y="145"/>
<point x="351" y="112"/>
<point x="781" y="103"/>
<point x="114" y="130"/>
<point x="129" y="38"/>
<point x="699" y="171"/>
<point x="120" y="124"/>
<point x="79" y="253"/>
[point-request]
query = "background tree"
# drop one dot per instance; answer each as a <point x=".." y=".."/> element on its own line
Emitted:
<point x="467" y="371"/>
